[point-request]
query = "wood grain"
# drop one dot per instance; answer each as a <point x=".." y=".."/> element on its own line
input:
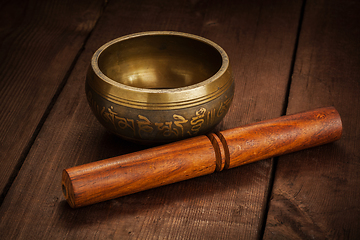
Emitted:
<point x="198" y="156"/>
<point x="39" y="41"/>
<point x="134" y="172"/>
<point x="259" y="37"/>
<point x="282" y="135"/>
<point x="316" y="192"/>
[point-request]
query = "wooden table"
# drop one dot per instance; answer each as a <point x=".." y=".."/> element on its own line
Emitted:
<point x="287" y="57"/>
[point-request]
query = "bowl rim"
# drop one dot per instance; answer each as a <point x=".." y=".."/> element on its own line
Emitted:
<point x="203" y="91"/>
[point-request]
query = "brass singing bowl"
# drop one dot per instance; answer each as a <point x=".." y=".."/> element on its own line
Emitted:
<point x="156" y="87"/>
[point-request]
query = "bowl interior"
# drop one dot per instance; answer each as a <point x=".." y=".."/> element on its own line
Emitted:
<point x="160" y="61"/>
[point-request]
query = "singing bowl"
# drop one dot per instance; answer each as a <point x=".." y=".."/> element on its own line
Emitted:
<point x="157" y="87"/>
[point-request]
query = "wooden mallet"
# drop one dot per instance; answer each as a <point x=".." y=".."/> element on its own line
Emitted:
<point x="118" y="176"/>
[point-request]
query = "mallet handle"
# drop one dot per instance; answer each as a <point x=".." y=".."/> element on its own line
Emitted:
<point x="114" y="177"/>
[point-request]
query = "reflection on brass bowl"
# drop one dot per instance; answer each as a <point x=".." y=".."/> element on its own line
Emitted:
<point x="156" y="87"/>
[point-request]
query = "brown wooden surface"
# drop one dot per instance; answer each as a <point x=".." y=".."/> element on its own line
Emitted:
<point x="315" y="191"/>
<point x="39" y="42"/>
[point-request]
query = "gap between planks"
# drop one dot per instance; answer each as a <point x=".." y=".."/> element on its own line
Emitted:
<point x="38" y="128"/>
<point x="284" y="111"/>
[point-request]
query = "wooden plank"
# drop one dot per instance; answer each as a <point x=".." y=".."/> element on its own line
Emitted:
<point x="316" y="192"/>
<point x="259" y="37"/>
<point x="39" y="41"/>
